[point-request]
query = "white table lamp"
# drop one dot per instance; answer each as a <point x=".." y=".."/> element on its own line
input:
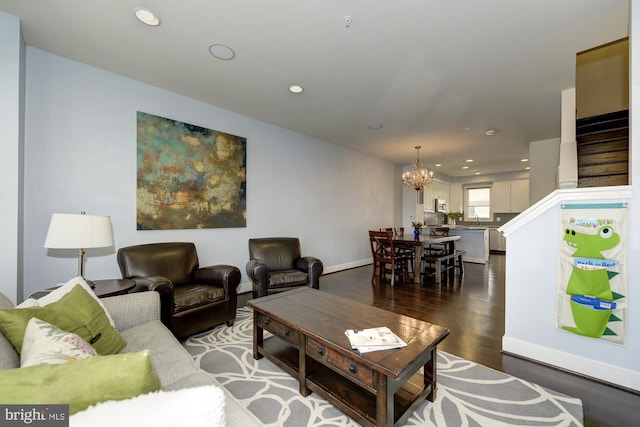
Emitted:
<point x="79" y="231"/>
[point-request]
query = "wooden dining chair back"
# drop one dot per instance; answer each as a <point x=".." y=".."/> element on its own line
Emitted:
<point x="386" y="257"/>
<point x="402" y="248"/>
<point x="396" y="230"/>
<point x="436" y="248"/>
<point x="439" y="231"/>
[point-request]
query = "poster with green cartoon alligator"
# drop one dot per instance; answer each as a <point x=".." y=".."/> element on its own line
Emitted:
<point x="592" y="284"/>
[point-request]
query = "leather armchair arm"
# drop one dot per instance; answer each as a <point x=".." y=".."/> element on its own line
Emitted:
<point x="164" y="287"/>
<point x="313" y="266"/>
<point x="225" y="276"/>
<point x="258" y="272"/>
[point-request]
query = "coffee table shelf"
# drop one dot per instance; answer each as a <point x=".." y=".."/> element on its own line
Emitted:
<point x="359" y="403"/>
<point x="284" y="355"/>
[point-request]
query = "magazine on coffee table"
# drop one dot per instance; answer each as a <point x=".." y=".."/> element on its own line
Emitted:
<point x="373" y="339"/>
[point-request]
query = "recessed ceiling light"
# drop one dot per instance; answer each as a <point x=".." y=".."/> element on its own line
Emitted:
<point x="491" y="132"/>
<point x="146" y="16"/>
<point x="527" y="168"/>
<point x="477" y="173"/>
<point x="296" y="89"/>
<point x="375" y="126"/>
<point x="469" y="160"/>
<point x="221" y="51"/>
<point x="465" y="167"/>
<point x="438" y="165"/>
<point x="524" y="160"/>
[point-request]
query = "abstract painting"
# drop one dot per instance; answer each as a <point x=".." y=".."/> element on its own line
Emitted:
<point x="188" y="176"/>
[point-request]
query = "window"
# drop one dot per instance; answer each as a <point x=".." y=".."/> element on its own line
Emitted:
<point x="478" y="204"/>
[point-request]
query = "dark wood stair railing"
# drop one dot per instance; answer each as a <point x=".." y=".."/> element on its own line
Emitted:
<point x="603" y="150"/>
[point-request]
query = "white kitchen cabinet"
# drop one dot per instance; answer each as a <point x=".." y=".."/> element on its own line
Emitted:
<point x="455" y="198"/>
<point x="428" y="198"/>
<point x="510" y="196"/>
<point x="436" y="190"/>
<point x="441" y="190"/>
<point x="501" y="196"/>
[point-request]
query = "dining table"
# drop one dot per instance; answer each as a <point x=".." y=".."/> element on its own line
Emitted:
<point x="424" y="241"/>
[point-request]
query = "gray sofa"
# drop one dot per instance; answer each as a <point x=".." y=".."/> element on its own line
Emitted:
<point x="137" y="317"/>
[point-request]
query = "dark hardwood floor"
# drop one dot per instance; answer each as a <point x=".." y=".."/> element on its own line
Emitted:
<point x="472" y="307"/>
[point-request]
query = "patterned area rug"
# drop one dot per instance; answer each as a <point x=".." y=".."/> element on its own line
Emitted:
<point x="468" y="394"/>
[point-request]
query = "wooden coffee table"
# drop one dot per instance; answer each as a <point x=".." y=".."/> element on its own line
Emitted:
<point x="380" y="388"/>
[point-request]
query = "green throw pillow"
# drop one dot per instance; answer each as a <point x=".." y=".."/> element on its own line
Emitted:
<point x="82" y="383"/>
<point x="75" y="312"/>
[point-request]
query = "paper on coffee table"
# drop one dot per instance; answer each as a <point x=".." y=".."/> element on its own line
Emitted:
<point x="373" y="339"/>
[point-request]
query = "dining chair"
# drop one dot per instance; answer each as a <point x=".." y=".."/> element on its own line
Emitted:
<point x="434" y="250"/>
<point x="386" y="257"/>
<point x="404" y="247"/>
<point x="396" y="230"/>
<point x="437" y="248"/>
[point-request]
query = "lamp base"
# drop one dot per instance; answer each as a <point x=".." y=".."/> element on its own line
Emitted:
<point x="81" y="253"/>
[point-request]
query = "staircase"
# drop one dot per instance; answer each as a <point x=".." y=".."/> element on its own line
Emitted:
<point x="603" y="150"/>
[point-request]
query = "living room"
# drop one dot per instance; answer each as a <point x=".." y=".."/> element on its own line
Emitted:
<point x="69" y="144"/>
<point x="80" y="155"/>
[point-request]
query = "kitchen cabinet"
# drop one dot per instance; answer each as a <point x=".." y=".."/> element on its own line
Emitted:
<point x="428" y="199"/>
<point x="455" y="198"/>
<point x="497" y="241"/>
<point x="501" y="196"/>
<point x="510" y="196"/>
<point x="441" y="191"/>
<point x="436" y="190"/>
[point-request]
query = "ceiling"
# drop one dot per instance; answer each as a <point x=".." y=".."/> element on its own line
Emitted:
<point x="435" y="73"/>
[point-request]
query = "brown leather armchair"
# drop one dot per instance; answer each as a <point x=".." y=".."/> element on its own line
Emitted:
<point x="275" y="265"/>
<point x="193" y="299"/>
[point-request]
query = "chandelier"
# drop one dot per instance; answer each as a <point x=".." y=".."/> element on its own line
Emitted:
<point x="418" y="177"/>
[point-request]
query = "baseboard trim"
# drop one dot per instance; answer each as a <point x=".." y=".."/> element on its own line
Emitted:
<point x="570" y="362"/>
<point x="247" y="286"/>
<point x="474" y="260"/>
<point x="347" y="266"/>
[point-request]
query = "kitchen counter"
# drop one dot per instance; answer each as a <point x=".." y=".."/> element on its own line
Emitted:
<point x="469" y="227"/>
<point x="474" y="241"/>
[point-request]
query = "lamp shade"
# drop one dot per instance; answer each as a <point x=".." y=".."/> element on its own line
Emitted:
<point x="75" y="231"/>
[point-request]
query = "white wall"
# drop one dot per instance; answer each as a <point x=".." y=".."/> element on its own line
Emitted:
<point x="543" y="160"/>
<point x="11" y="161"/>
<point x="81" y="156"/>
